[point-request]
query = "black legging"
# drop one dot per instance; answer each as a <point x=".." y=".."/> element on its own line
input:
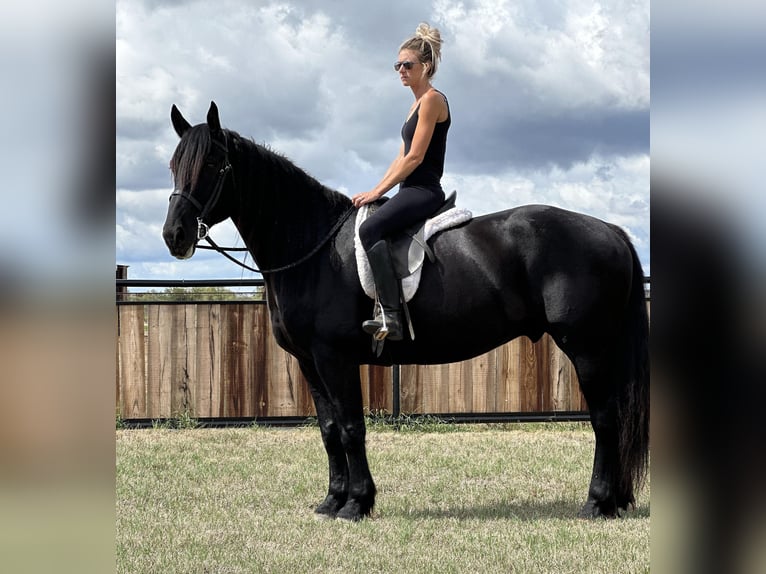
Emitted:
<point x="408" y="206"/>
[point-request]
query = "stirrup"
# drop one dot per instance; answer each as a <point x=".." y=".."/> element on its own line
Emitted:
<point x="382" y="333"/>
<point x="378" y="326"/>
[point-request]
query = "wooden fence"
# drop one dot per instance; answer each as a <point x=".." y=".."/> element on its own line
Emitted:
<point x="220" y="360"/>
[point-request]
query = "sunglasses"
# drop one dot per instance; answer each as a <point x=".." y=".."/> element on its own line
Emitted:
<point x="406" y="65"/>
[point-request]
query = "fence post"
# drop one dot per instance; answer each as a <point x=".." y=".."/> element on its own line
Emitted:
<point x="122" y="273"/>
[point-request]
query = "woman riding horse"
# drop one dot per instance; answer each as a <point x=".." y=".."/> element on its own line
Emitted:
<point x="417" y="169"/>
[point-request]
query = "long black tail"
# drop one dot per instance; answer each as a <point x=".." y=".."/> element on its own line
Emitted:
<point x="633" y="406"/>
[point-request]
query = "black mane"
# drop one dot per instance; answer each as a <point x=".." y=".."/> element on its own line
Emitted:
<point x="189" y="156"/>
<point x="285" y="174"/>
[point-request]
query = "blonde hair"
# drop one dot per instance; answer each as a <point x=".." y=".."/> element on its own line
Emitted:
<point x="427" y="43"/>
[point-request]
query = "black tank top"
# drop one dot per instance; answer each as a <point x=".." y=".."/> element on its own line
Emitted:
<point x="429" y="172"/>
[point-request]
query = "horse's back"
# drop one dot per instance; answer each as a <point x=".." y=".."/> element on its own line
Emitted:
<point x="538" y="240"/>
<point x="521" y="271"/>
<point x="569" y="239"/>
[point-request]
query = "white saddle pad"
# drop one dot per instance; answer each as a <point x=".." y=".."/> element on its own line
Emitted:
<point x="450" y="218"/>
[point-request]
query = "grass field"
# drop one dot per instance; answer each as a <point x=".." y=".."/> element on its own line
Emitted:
<point x="451" y="498"/>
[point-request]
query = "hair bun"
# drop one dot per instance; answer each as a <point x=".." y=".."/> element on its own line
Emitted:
<point x="428" y="33"/>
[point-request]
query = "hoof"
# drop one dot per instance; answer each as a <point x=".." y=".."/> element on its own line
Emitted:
<point x="352" y="512"/>
<point x="626" y="503"/>
<point x="593" y="509"/>
<point x="328" y="509"/>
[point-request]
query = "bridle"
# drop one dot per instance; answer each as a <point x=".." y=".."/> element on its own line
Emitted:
<point x="203" y="230"/>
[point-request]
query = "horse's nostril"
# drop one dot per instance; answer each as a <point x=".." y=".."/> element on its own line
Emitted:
<point x="173" y="235"/>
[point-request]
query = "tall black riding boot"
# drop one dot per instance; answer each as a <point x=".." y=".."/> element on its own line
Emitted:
<point x="387" y="323"/>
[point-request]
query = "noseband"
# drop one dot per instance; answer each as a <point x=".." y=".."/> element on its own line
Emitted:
<point x="202" y="228"/>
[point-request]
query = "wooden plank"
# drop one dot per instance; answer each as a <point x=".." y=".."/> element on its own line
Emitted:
<point x="508" y="374"/>
<point x="528" y="377"/>
<point x="542" y="375"/>
<point x="561" y="396"/>
<point x="482" y="382"/>
<point x="443" y="385"/>
<point x="199" y="381"/>
<point x="159" y="341"/>
<point x="240" y="389"/>
<point x="364" y="380"/>
<point x="427" y="391"/>
<point x="172" y="350"/>
<point x="117" y="375"/>
<point x="216" y="356"/>
<point x="131" y="351"/>
<point x="207" y="358"/>
<point x="431" y="392"/>
<point x="515" y="354"/>
<point x="153" y="361"/>
<point x="411" y="392"/>
<point x="460" y="380"/>
<point x="182" y="384"/>
<point x="381" y="389"/>
<point x="276" y="377"/>
<point x="500" y="387"/>
<point x="434" y="380"/>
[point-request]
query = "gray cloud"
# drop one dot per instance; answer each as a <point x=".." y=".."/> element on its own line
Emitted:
<point x="531" y="143"/>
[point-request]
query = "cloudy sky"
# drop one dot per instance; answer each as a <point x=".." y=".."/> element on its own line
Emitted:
<point x="549" y="98"/>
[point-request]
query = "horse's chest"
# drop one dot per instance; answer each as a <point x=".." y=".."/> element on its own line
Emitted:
<point x="288" y="324"/>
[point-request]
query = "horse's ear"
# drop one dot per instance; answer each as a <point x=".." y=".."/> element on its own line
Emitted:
<point x="212" y="118"/>
<point x="179" y="123"/>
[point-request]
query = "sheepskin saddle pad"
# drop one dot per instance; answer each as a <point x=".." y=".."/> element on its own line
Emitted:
<point x="409" y="249"/>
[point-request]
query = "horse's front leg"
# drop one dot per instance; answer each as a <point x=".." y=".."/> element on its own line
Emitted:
<point x="343" y="386"/>
<point x="337" y="491"/>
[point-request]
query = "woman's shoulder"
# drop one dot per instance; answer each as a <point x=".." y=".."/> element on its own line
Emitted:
<point x="435" y="95"/>
<point x="434" y="99"/>
<point x="437" y="101"/>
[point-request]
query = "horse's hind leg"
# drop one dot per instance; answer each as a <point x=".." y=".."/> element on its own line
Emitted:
<point x="341" y="380"/>
<point x="337" y="491"/>
<point x="599" y="391"/>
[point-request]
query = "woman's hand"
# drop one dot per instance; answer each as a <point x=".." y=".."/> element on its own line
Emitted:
<point x="361" y="199"/>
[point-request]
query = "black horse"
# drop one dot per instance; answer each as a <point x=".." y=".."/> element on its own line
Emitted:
<point x="525" y="271"/>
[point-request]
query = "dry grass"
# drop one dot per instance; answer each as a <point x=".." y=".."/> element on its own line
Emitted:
<point x="481" y="499"/>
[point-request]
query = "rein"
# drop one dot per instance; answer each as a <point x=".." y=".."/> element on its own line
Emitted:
<point x="222" y="250"/>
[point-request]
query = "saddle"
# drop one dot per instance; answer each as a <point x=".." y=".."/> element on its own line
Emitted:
<point x="409" y="248"/>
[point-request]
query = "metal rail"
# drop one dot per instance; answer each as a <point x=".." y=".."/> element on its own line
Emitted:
<point x="394" y="420"/>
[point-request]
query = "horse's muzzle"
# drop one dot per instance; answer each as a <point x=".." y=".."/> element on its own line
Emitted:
<point x="180" y="245"/>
